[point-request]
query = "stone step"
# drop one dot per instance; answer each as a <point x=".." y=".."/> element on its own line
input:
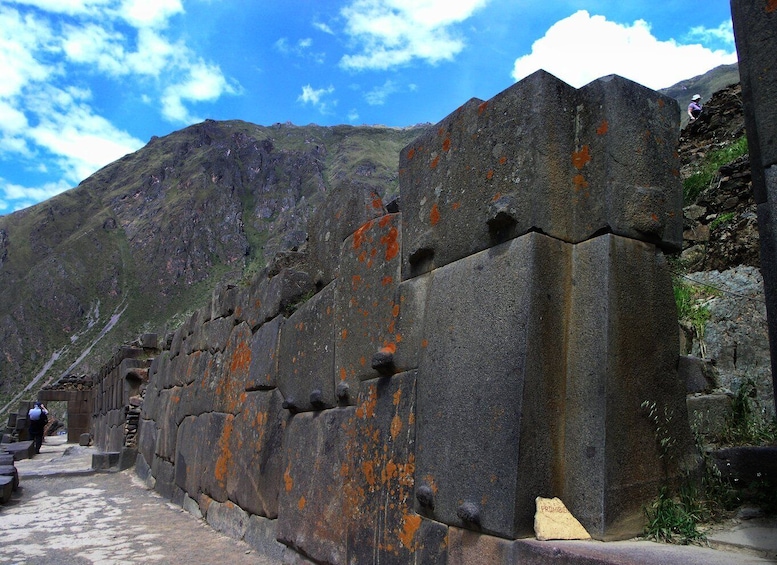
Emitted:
<point x="10" y="471"/>
<point x="6" y="488"/>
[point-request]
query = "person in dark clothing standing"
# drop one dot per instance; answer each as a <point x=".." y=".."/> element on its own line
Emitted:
<point x="37" y="418"/>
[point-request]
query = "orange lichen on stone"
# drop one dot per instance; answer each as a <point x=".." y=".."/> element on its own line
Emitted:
<point x="367" y="408"/>
<point x="390" y="240"/>
<point x="580" y="182"/>
<point x="424" y="343"/>
<point x="288" y="482"/>
<point x="225" y="454"/>
<point x="301" y="503"/>
<point x="387" y="280"/>
<point x="343" y="374"/>
<point x="368" y="468"/>
<point x="502" y="160"/>
<point x="396" y="397"/>
<point x="581" y="158"/>
<point x="435" y="161"/>
<point x="482" y="107"/>
<point x="496" y="197"/>
<point x="456" y="205"/>
<point x="360" y="234"/>
<point x="446" y="145"/>
<point x="395" y="310"/>
<point x="771" y="6"/>
<point x="384" y="221"/>
<point x="434" y="215"/>
<point x="241" y="359"/>
<point x="410" y="154"/>
<point x="389" y="348"/>
<point x="396" y="426"/>
<point x="603" y="127"/>
<point x="355" y="282"/>
<point x="410" y="525"/>
<point x="490" y="174"/>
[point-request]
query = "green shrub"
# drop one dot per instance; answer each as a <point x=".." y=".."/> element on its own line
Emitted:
<point x="708" y="168"/>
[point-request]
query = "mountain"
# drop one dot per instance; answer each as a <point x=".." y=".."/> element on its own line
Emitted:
<point x="704" y="85"/>
<point x="140" y="244"/>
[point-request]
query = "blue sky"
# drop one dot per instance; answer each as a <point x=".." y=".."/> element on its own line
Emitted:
<point x="86" y="81"/>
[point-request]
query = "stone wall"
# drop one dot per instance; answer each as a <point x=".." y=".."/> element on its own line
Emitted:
<point x="405" y="389"/>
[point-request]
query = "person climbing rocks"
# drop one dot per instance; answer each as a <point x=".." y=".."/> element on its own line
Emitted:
<point x="694" y="108"/>
<point x="37" y="419"/>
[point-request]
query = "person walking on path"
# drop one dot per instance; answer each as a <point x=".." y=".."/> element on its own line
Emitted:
<point x="37" y="417"/>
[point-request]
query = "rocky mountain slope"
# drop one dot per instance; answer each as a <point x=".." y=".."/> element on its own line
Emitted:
<point x="144" y="240"/>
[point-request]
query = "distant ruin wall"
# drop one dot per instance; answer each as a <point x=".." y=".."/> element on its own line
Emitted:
<point x="403" y="391"/>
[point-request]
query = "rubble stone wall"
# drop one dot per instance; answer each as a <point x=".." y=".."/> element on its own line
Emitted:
<point x="403" y="391"/>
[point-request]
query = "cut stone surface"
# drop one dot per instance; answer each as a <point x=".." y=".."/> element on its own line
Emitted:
<point x="307" y="352"/>
<point x="366" y="312"/>
<point x="554" y="522"/>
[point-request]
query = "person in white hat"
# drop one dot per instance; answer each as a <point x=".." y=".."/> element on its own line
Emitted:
<point x="694" y="108"/>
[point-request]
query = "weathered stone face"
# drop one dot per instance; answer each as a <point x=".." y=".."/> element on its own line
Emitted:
<point x="347" y="206"/>
<point x="542" y="156"/>
<point x="311" y="509"/>
<point x="307" y="355"/>
<point x="366" y="311"/>
<point x="491" y="376"/>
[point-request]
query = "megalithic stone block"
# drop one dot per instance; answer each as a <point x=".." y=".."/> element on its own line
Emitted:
<point x="539" y="157"/>
<point x="490" y="386"/>
<point x="347" y="206"/>
<point x="255" y="470"/>
<point x="365" y="307"/>
<point x="306" y="364"/>
<point x="230" y="390"/>
<point x="383" y="526"/>
<point x="263" y="372"/>
<point x="203" y="455"/>
<point x="622" y="352"/>
<point x="754" y="24"/>
<point x="627" y="170"/>
<point x="312" y="506"/>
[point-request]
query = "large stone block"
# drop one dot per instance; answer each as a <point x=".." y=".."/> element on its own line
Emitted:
<point x="255" y="471"/>
<point x="268" y="297"/>
<point x="263" y="372"/>
<point x="411" y="297"/>
<point x="215" y="334"/>
<point x="381" y="469"/>
<point x="537" y="157"/>
<point x="227" y="518"/>
<point x="365" y="307"/>
<point x="167" y="421"/>
<point x="312" y="507"/>
<point x="347" y="206"/>
<point x="230" y="389"/>
<point x="490" y="386"/>
<point x="754" y="25"/>
<point x="622" y="352"/>
<point x="203" y="456"/>
<point x="306" y="363"/>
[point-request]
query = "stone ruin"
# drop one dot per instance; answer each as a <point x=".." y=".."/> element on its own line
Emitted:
<point x="404" y="390"/>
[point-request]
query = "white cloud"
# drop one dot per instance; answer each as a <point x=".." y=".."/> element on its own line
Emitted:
<point x="724" y="34"/>
<point x="314" y="97"/>
<point x="203" y="83"/>
<point x="23" y="196"/>
<point x="391" y="33"/>
<point x="582" y="48"/>
<point x="353" y="115"/>
<point x="150" y="13"/>
<point x="323" y="27"/>
<point x="299" y="49"/>
<point x="80" y="140"/>
<point x="378" y="95"/>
